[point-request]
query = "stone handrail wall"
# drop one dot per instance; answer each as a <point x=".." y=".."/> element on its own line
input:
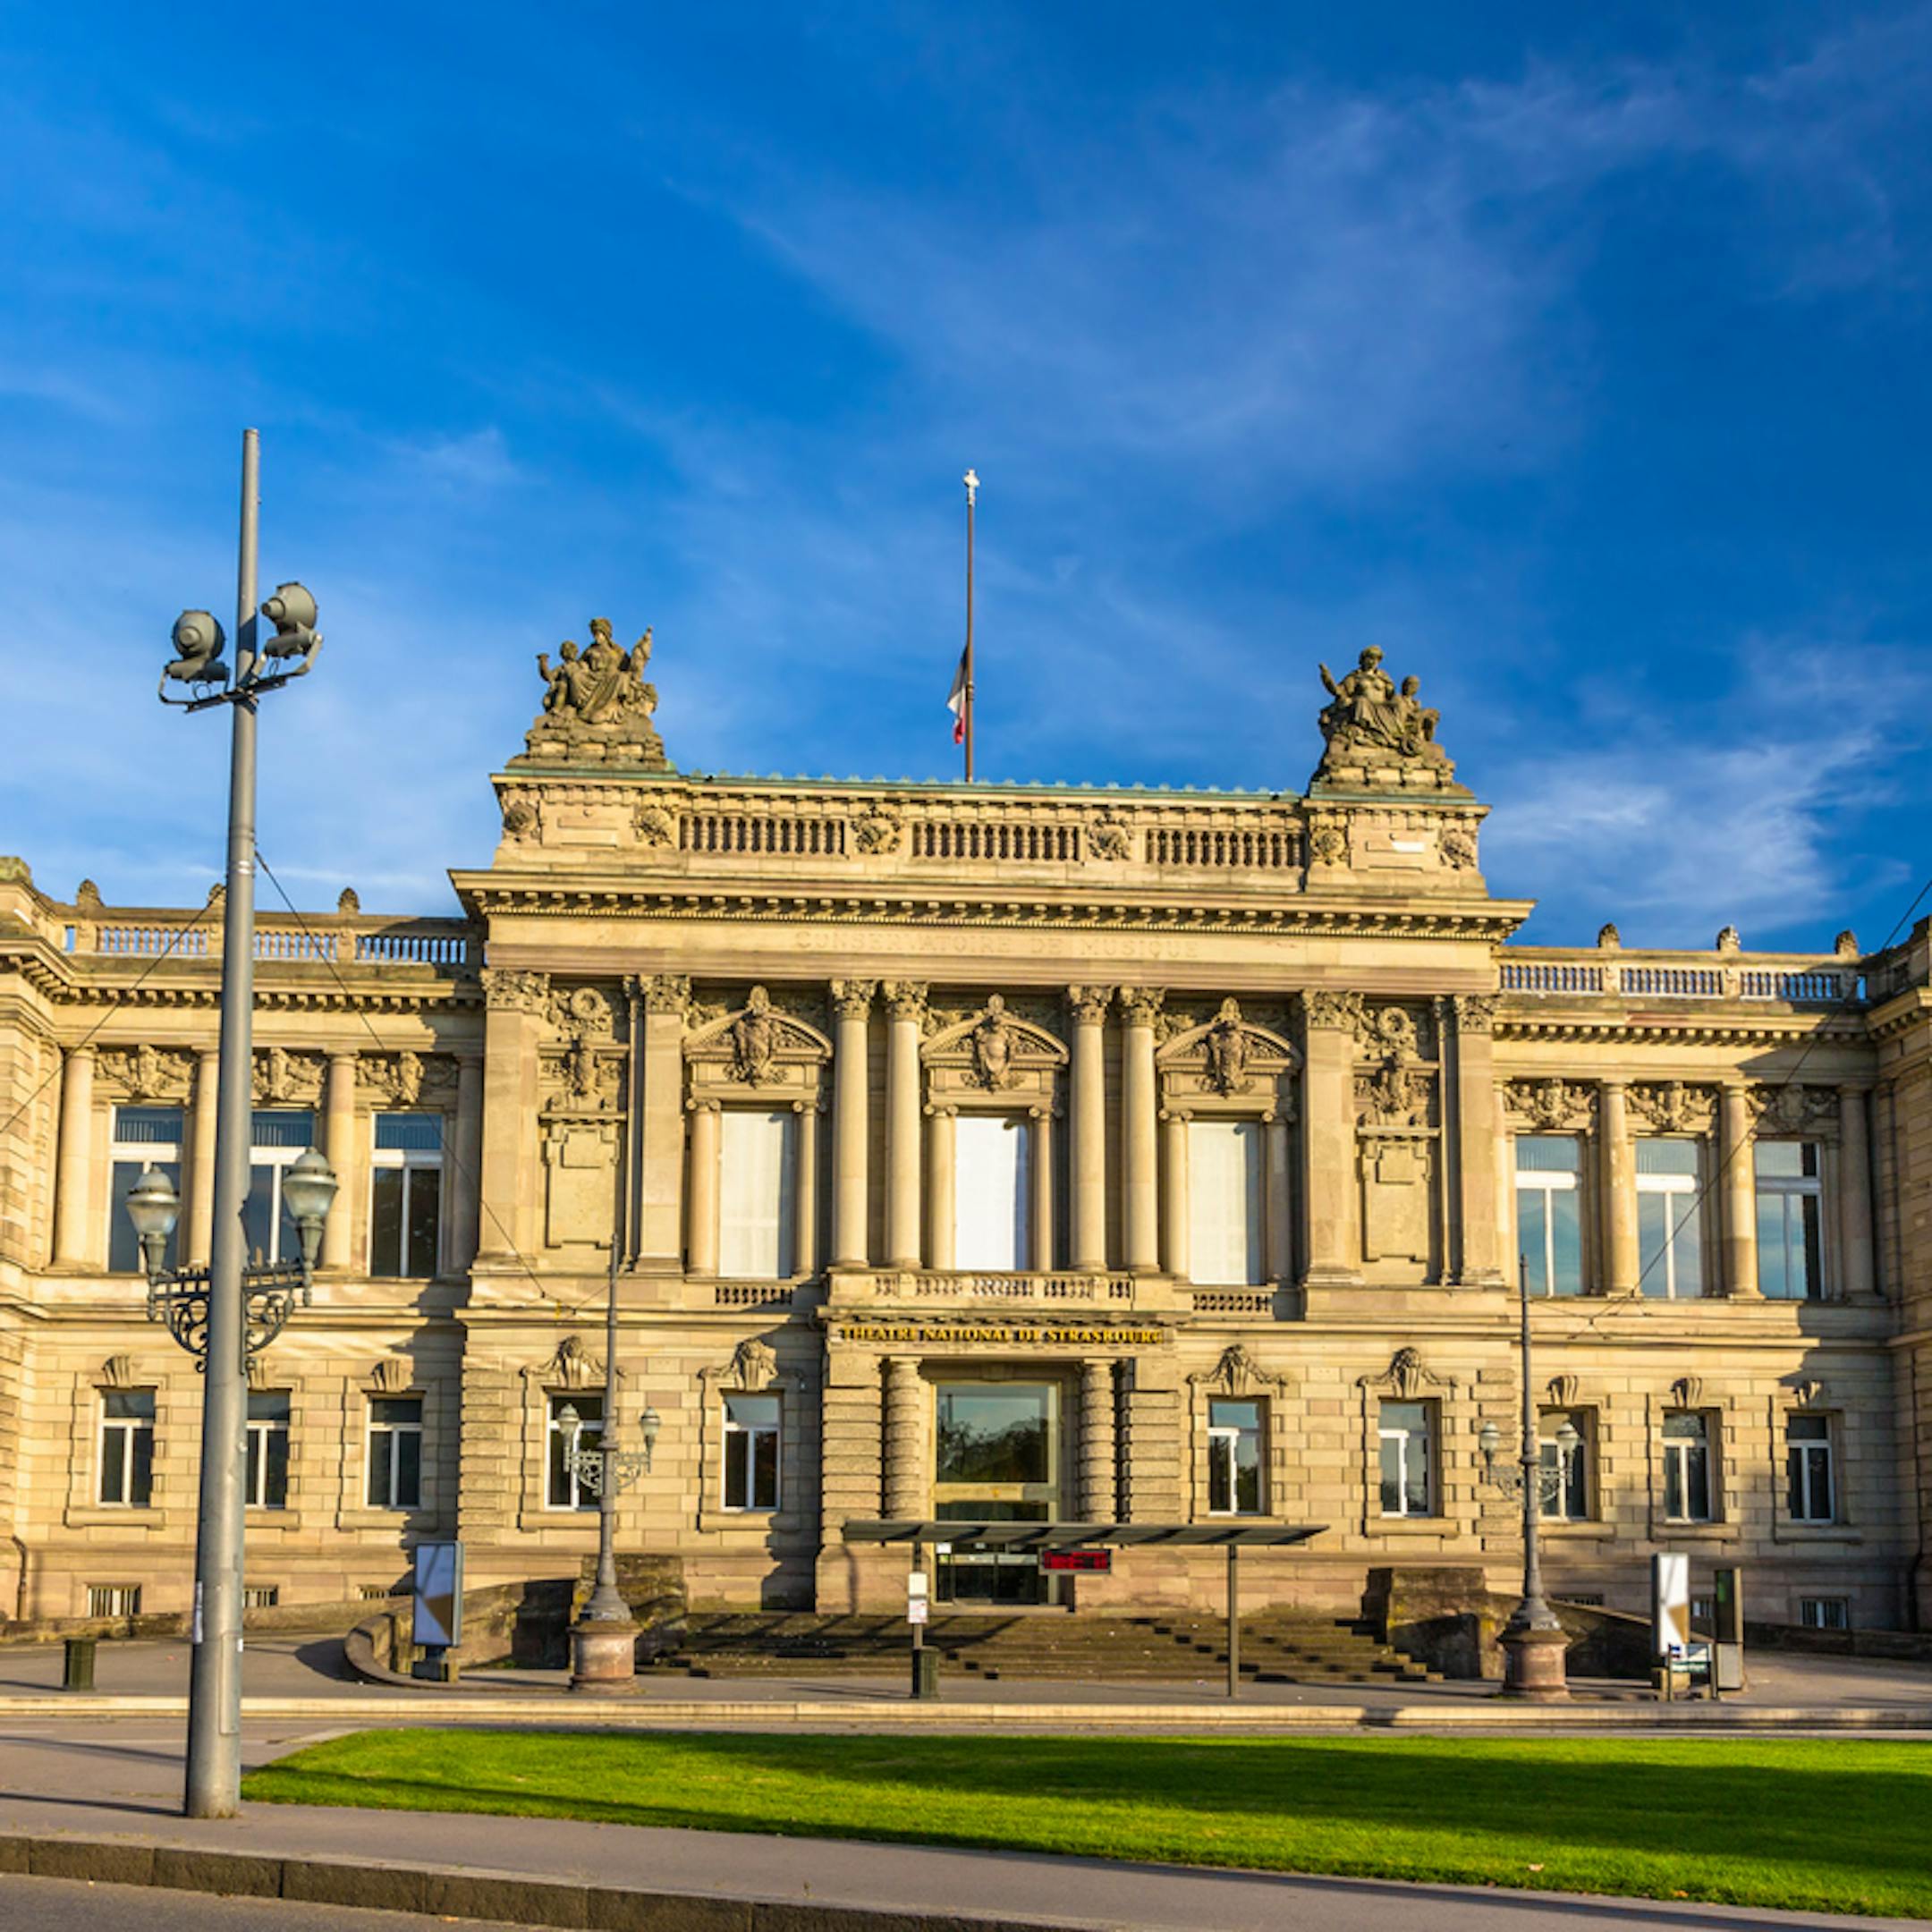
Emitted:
<point x="319" y="939"/>
<point x="1802" y="979"/>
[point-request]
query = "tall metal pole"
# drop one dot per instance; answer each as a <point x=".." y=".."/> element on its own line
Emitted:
<point x="1532" y="1468"/>
<point x="215" y="1680"/>
<point x="1533" y="1640"/>
<point x="606" y="1604"/>
<point x="972" y="493"/>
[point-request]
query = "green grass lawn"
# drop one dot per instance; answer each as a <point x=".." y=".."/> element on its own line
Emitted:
<point x="1800" y="1824"/>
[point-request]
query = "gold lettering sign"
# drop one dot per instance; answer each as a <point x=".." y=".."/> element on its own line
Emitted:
<point x="999" y="1336"/>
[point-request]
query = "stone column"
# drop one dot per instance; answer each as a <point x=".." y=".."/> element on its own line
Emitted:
<point x="1043" y="1191"/>
<point x="339" y="1147"/>
<point x="906" y="1004"/>
<point x="1099" y="1502"/>
<point x="1617" y="1169"/>
<point x="1328" y="1179"/>
<point x="1854" y="1194"/>
<point x="805" y="1190"/>
<point x="1140" y="1126"/>
<point x="661" y="1156"/>
<point x="852" y="1002"/>
<point x="510" y="1176"/>
<point x="701" y="1237"/>
<point x="907" y="1480"/>
<point x="1740" y="1191"/>
<point x="1176" y="1226"/>
<point x="461" y="1176"/>
<point x="200" y="1190"/>
<point x="72" y="1195"/>
<point x="1089" y="1006"/>
<point x="941" y="1209"/>
<point x="1478" y="1136"/>
<point x="1277" y="1226"/>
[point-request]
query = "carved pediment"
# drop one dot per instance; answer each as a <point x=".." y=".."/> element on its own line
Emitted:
<point x="1564" y="1390"/>
<point x="1809" y="1393"/>
<point x="754" y="1043"/>
<point x="1237" y="1373"/>
<point x="117" y="1372"/>
<point x="1688" y="1392"/>
<point x="389" y="1375"/>
<point x="995" y="1050"/>
<point x="569" y="1365"/>
<point x="1407" y="1379"/>
<point x="1227" y="1054"/>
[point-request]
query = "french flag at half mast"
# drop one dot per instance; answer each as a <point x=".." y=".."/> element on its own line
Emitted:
<point x="956" y="701"/>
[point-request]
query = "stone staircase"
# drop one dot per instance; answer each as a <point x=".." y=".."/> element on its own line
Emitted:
<point x="1277" y="1646"/>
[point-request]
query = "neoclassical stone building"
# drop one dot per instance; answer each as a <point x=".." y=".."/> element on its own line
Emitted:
<point x="1032" y="1152"/>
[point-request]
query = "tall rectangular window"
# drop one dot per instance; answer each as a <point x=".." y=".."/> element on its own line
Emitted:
<point x="1810" y="1487"/>
<point x="143" y="1137"/>
<point x="268" y="1228"/>
<point x="127" y="1447"/>
<point x="267" y="1448"/>
<point x="1566" y="1495"/>
<point x="1234" y="1458"/>
<point x="406" y="1196"/>
<point x="563" y="1490"/>
<point x="1688" y="1488"/>
<point x="751" y="1452"/>
<point x="757" y="1193"/>
<point x="1791" y="1242"/>
<point x="395" y="1452"/>
<point x="1225" y="1201"/>
<point x="1407" y="1433"/>
<point x="992" y="1190"/>
<point x="1550" y="1219"/>
<point x="1670" y="1222"/>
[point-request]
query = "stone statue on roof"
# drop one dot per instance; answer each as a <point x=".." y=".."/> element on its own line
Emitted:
<point x="1375" y="735"/>
<point x="597" y="706"/>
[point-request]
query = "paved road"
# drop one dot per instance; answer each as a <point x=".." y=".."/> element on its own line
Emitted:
<point x="122" y="1778"/>
<point x="70" y="1905"/>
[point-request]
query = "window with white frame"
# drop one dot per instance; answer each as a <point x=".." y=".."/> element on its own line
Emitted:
<point x="1810" y="1486"/>
<point x="268" y="1411"/>
<point x="406" y="1196"/>
<point x="1824" y="1613"/>
<point x="1234" y="1436"/>
<point x="1670" y="1220"/>
<point x="127" y="1448"/>
<point x="992" y="1193"/>
<point x="1549" y="1213"/>
<point x="280" y="1137"/>
<point x="395" y="1452"/>
<point x="751" y="1452"/>
<point x="563" y="1490"/>
<point x="1791" y="1236"/>
<point x="1690" y="1494"/>
<point x="1407" y="1432"/>
<point x="1568" y="1500"/>
<point x="143" y="1137"/>
<point x="1224" y="1195"/>
<point x="757" y="1193"/>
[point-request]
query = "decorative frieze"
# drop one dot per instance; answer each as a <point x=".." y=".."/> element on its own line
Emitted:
<point x="406" y="1079"/>
<point x="1783" y="1108"/>
<point x="1550" y="1105"/>
<point x="148" y="1073"/>
<point x="285" y="1079"/>
<point x="1673" y="1107"/>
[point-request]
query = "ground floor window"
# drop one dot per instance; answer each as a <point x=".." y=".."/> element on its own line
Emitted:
<point x="1234" y="1458"/>
<point x="268" y="1411"/>
<point x="395" y="1452"/>
<point x="1688" y="1488"/>
<point x="582" y="1429"/>
<point x="1407" y="1434"/>
<point x="1810" y="1491"/>
<point x="1566" y="1491"/>
<point x="751" y="1452"/>
<point x="127" y="1447"/>
<point x="1824" y="1613"/>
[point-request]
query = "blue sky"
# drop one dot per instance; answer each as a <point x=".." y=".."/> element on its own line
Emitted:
<point x="1579" y="362"/>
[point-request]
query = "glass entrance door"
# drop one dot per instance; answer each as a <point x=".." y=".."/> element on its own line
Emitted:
<point x="996" y="1460"/>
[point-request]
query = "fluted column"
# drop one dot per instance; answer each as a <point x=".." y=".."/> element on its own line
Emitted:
<point x="661" y="1150"/>
<point x="1140" y="1126"/>
<point x="941" y="1209"/>
<point x="1177" y="1247"/>
<point x="702" y="1235"/>
<point x="907" y="1477"/>
<point x="1089" y="1006"/>
<point x="1098" y="1500"/>
<point x="852" y="1002"/>
<point x="201" y="1187"/>
<point x="1043" y="1191"/>
<point x="905" y="1002"/>
<point x="1618" y="1164"/>
<point x="1479" y="1135"/>
<point x="1328" y="1138"/>
<point x="72" y="1194"/>
<point x="805" y="1189"/>
<point x="462" y="1180"/>
<point x="1277" y="1226"/>
<point x="1855" y="1271"/>
<point x="1740" y="1191"/>
<point x="339" y="1147"/>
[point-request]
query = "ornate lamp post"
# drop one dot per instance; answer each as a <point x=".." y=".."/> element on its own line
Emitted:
<point x="1533" y="1640"/>
<point x="604" y="1638"/>
<point x="220" y="1313"/>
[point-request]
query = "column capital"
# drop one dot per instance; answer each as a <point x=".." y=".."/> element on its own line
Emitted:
<point x="1090" y="1003"/>
<point x="1141" y="1006"/>
<point x="86" y="1051"/>
<point x="1329" y="1012"/>
<point x="341" y="1057"/>
<point x="1476" y="1012"/>
<point x="851" y="999"/>
<point x="505" y="990"/>
<point x="905" y="999"/>
<point x="664" y="993"/>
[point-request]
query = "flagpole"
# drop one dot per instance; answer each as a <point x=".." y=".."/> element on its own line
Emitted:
<point x="972" y="491"/>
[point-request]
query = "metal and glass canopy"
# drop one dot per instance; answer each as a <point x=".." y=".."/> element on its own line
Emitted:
<point x="1042" y="1535"/>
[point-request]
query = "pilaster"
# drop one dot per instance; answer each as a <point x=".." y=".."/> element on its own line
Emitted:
<point x="660" y="1197"/>
<point x="1738" y="1193"/>
<point x="941" y="1208"/>
<point x="1141" y="1176"/>
<point x="1479" y="1135"/>
<point x="468" y="1151"/>
<point x="510" y="1176"/>
<point x="72" y="1194"/>
<point x="1088" y="1005"/>
<point x="1098" y="1501"/>
<point x="1329" y="1185"/>
<point x="852" y="1002"/>
<point x="701" y="1237"/>
<point x="1854" y="1194"/>
<point x="906" y="1006"/>
<point x="1616" y="1166"/>
<point x="339" y="1148"/>
<point x="906" y="1477"/>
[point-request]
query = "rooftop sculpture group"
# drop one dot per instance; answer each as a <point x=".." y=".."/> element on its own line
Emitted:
<point x="597" y="707"/>
<point x="1377" y="735"/>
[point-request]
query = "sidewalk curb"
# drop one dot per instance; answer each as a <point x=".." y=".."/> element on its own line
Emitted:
<point x="564" y="1713"/>
<point x="439" y="1890"/>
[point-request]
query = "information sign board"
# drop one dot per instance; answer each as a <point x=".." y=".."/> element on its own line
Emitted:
<point x="437" y="1623"/>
